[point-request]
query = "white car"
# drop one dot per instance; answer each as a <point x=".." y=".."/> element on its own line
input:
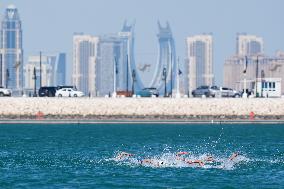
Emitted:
<point x="5" y="92"/>
<point x="68" y="92"/>
<point x="228" y="92"/>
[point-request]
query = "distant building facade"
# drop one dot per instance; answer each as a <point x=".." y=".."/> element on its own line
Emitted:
<point x="11" y="50"/>
<point x="112" y="66"/>
<point x="53" y="70"/>
<point x="249" y="45"/>
<point x="258" y="67"/>
<point x="85" y="48"/>
<point x="199" y="62"/>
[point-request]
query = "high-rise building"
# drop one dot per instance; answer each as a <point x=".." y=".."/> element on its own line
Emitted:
<point x="249" y="45"/>
<point x="166" y="66"/>
<point x="11" y="50"/>
<point x="52" y="70"/>
<point x="247" y="69"/>
<point x="199" y="63"/>
<point x="58" y="62"/>
<point x="112" y="65"/>
<point x="85" y="48"/>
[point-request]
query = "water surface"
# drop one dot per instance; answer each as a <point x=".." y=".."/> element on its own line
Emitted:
<point x="83" y="156"/>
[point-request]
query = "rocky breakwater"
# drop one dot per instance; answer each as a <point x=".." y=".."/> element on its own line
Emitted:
<point x="141" y="108"/>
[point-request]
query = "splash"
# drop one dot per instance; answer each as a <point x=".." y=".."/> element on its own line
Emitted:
<point x="171" y="160"/>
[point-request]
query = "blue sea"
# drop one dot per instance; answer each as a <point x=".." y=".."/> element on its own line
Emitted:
<point x="86" y="156"/>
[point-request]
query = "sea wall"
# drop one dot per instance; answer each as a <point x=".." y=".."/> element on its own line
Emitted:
<point x="140" y="107"/>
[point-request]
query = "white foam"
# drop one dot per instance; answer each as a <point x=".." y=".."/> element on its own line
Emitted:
<point x="170" y="160"/>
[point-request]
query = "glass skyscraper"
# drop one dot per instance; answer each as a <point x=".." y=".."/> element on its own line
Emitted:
<point x="11" y="50"/>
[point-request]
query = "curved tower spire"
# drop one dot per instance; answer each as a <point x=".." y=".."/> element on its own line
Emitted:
<point x="166" y="60"/>
<point x="127" y="33"/>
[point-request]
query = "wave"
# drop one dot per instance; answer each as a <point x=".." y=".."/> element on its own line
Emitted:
<point x="171" y="160"/>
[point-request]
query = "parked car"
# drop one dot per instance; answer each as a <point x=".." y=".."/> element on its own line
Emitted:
<point x="47" y="91"/>
<point x="148" y="92"/>
<point x="208" y="91"/>
<point x="68" y="92"/>
<point x="228" y="92"/>
<point x="66" y="86"/>
<point x="124" y="93"/>
<point x="5" y="92"/>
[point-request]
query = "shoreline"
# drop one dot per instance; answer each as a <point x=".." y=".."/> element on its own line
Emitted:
<point x="63" y="121"/>
<point x="141" y="110"/>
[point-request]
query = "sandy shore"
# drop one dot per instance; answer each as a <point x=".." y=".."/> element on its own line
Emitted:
<point x="141" y="108"/>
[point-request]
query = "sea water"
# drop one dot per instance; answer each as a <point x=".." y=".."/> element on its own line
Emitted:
<point x="85" y="156"/>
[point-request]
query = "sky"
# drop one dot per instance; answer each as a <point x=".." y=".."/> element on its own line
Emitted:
<point x="49" y="25"/>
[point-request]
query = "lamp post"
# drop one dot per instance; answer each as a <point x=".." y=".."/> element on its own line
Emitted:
<point x="245" y="95"/>
<point x="127" y="70"/>
<point x="256" y="77"/>
<point x="7" y="77"/>
<point x="1" y="70"/>
<point x="133" y="80"/>
<point x="262" y="75"/>
<point x="40" y="76"/>
<point x="114" y="77"/>
<point x="171" y="75"/>
<point x="165" y="80"/>
<point x="34" y="78"/>
<point x="177" y="80"/>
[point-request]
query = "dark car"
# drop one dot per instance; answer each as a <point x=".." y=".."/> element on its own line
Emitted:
<point x="47" y="91"/>
<point x="66" y="86"/>
<point x="208" y="91"/>
<point x="148" y="92"/>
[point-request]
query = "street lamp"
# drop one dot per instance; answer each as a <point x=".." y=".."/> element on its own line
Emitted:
<point x="40" y="70"/>
<point x="256" y="77"/>
<point x="34" y="78"/>
<point x="165" y="80"/>
<point x="262" y="75"/>
<point x="115" y="71"/>
<point x="245" y="95"/>
<point x="7" y="78"/>
<point x="133" y="80"/>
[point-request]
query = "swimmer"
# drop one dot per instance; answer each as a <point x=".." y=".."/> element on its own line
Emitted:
<point x="179" y="157"/>
<point x="201" y="163"/>
<point x="209" y="158"/>
<point x="151" y="162"/>
<point x="180" y="154"/>
<point x="147" y="161"/>
<point x="233" y="156"/>
<point x="123" y="155"/>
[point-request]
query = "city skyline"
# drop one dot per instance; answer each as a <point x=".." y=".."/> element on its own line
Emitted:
<point x="53" y="37"/>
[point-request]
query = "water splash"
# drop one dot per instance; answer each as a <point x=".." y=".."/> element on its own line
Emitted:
<point x="168" y="159"/>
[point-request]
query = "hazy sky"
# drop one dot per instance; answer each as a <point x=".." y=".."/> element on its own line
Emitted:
<point x="48" y="25"/>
